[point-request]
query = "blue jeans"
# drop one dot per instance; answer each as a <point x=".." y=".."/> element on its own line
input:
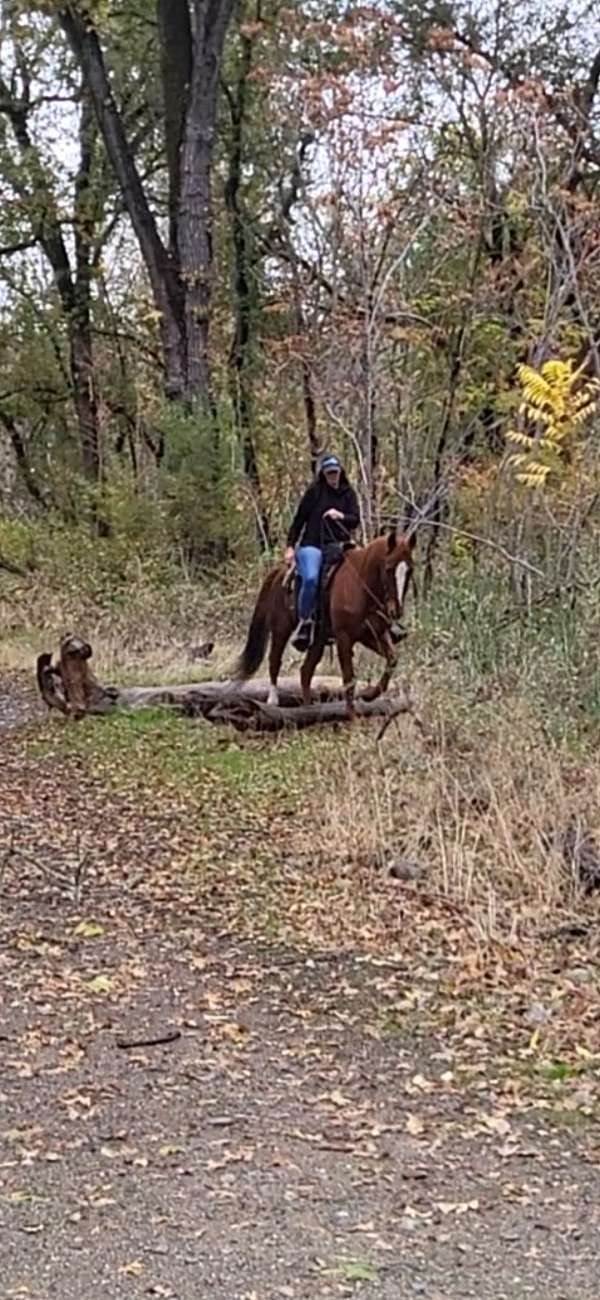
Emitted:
<point x="309" y="560"/>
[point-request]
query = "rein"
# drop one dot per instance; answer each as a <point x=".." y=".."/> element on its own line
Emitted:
<point x="381" y="607"/>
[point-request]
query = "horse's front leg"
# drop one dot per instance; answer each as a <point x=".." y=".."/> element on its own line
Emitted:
<point x="386" y="648"/>
<point x="345" y="656"/>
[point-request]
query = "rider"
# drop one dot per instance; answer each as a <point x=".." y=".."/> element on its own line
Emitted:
<point x="328" y="513"/>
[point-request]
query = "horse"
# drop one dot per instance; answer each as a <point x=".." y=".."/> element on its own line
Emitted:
<point x="366" y="599"/>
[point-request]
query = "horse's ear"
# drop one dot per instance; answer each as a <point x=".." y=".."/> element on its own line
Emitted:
<point x="411" y="540"/>
<point x="392" y="540"/>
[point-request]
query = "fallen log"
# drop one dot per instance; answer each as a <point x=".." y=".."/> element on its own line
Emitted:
<point x="197" y="698"/>
<point x="49" y="680"/>
<point x="71" y="687"/>
<point x="252" y="715"/>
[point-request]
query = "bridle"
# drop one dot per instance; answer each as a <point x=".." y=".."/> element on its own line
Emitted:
<point x="389" y="610"/>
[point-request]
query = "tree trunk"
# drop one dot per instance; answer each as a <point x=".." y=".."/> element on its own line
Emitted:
<point x="308" y="397"/>
<point x="367" y="436"/>
<point x="245" y="288"/>
<point x="192" y="35"/>
<point x="194" y="221"/>
<point x="22" y="459"/>
<point x="438" y="467"/>
<point x="175" y="36"/>
<point x="194" y="237"/>
<point x="80" y="322"/>
<point x="166" y="290"/>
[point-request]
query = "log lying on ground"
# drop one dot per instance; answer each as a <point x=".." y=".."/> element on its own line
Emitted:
<point x="199" y="698"/>
<point x="70" y="686"/>
<point x="246" y="714"/>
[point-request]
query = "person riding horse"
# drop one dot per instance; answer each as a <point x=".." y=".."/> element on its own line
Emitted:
<point x="326" y="517"/>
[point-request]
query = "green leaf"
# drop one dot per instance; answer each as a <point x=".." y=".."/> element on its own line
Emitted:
<point x="355" y="1270"/>
<point x="100" y="984"/>
<point x="89" y="929"/>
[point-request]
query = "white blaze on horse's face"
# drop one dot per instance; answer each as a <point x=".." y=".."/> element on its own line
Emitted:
<point x="401" y="581"/>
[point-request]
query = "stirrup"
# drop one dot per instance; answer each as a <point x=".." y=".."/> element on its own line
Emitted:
<point x="397" y="631"/>
<point x="304" y="634"/>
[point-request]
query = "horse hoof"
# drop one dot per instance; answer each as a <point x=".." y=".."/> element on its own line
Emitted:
<point x="273" y="697"/>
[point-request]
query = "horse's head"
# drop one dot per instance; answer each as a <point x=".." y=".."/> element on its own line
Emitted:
<point x="397" y="569"/>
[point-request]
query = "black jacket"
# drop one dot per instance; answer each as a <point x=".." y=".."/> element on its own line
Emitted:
<point x="308" y="526"/>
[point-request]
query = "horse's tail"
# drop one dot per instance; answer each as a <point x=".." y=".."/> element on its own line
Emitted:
<point x="256" y="642"/>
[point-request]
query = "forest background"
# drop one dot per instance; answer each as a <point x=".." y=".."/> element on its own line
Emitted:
<point x="231" y="236"/>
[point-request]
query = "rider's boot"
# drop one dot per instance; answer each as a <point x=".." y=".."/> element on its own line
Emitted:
<point x="303" y="636"/>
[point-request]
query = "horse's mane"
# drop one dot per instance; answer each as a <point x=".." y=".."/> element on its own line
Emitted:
<point x="375" y="550"/>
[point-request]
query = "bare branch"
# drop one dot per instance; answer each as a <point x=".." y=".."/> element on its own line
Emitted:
<point x="20" y="246"/>
<point x="420" y="519"/>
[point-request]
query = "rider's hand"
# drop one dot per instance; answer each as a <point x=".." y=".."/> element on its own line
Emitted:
<point x="333" y="514"/>
<point x="289" y="555"/>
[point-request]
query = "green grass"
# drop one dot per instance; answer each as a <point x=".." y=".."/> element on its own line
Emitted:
<point x="557" y="1071"/>
<point x="157" y="745"/>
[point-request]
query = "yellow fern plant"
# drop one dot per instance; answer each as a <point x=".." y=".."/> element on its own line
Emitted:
<point x="557" y="401"/>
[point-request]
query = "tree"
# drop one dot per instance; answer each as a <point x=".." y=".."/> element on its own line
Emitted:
<point x="30" y="178"/>
<point x="191" y="36"/>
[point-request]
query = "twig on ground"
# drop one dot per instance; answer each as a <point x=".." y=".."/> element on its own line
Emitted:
<point x="78" y="877"/>
<point x="568" y="930"/>
<point x="149" y="1042"/>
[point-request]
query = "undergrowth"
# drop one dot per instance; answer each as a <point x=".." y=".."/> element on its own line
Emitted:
<point x="509" y="700"/>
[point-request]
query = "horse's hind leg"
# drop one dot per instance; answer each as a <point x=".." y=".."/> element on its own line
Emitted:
<point x="281" y="631"/>
<point x="309" y="664"/>
<point x="276" y="650"/>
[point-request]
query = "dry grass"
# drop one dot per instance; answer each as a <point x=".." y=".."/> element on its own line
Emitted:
<point x="477" y="811"/>
<point x="148" y="636"/>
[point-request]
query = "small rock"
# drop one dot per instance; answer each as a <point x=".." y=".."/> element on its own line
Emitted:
<point x="582" y="974"/>
<point x="407" y="1224"/>
<point x="584" y="1096"/>
<point x="538" y="1014"/>
<point x="203" y="651"/>
<point x="407" y="869"/>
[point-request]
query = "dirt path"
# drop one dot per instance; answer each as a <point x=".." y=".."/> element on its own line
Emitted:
<point x="19" y="701"/>
<point x="297" y="1138"/>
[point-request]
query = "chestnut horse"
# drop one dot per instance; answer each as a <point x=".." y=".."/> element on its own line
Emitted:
<point x="366" y="598"/>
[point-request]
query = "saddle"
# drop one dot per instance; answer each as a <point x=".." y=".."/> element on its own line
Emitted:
<point x="334" y="554"/>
